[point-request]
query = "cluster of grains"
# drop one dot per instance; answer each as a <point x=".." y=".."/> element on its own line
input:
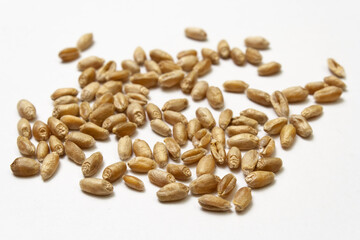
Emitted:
<point x="116" y="101"/>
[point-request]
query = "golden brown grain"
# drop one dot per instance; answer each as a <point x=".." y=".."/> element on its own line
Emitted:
<point x="66" y="109"/>
<point x="91" y="61"/>
<point x="56" y="145"/>
<point x="85" y="110"/>
<point x="49" y="166"/>
<point x="223" y="49"/>
<point x="172" y="192"/>
<point x="268" y="69"/>
<point x="303" y="128"/>
<point x="57" y="127"/>
<point x="72" y="122"/>
<point x="177" y="104"/>
<point x="134" y="182"/>
<point x="206" y="183"/>
<point x="312" y="111"/>
<point x="24" y="128"/>
<point x="42" y="150"/>
<point x="218" y="151"/>
<point x="259" y="179"/>
<point x="92" y="164"/>
<point x="180" y="172"/>
<point x="259" y="116"/>
<point x="136" y="114"/>
<point x="125" y="147"/>
<point x="152" y="66"/>
<point x="274" y="126"/>
<point x="196" y="33"/>
<point x="173" y="117"/>
<point x="271" y="164"/>
<point x="187" y="63"/>
<point x="160" y="154"/>
<point x="205" y="117"/>
<point x="327" y="94"/>
<point x="213" y="203"/>
<point x="89" y="91"/>
<point x="160" y="178"/>
<point x="25" y="146"/>
<point x="69" y="54"/>
<point x="336" y="68"/>
<point x="158" y="55"/>
<point x="210" y="54"/>
<point x="124" y="128"/>
<point x="180" y="133"/>
<point x="258" y="96"/>
<point x="267" y="146"/>
<point x="25" y="167"/>
<point x="99" y="115"/>
<point x="114" y="171"/>
<point x="226" y="185"/>
<point x="98" y="133"/>
<point x="173" y="148"/>
<point x="96" y="186"/>
<point x="193" y="155"/>
<point x="287" y="136"/>
<point x="74" y="152"/>
<point x="253" y="56"/>
<point x="130" y="65"/>
<point x="85" y="41"/>
<point x="280" y="104"/>
<point x="141" y="164"/>
<point x="237" y="56"/>
<point x="205" y="165"/>
<point x="81" y="139"/>
<point x="242" y="199"/>
<point x="236" y="86"/>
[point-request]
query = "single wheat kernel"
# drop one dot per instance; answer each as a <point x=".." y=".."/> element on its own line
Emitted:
<point x="160" y="127"/>
<point x="234" y="130"/>
<point x="81" y="139"/>
<point x="249" y="161"/>
<point x="184" y="53"/>
<point x="25" y="146"/>
<point x="193" y="155"/>
<point x="213" y="203"/>
<point x="110" y="122"/>
<point x="26" y="109"/>
<point x="85" y="41"/>
<point x="72" y="122"/>
<point x="89" y="91"/>
<point x="177" y="104"/>
<point x="242" y="120"/>
<point x="223" y="49"/>
<point x="57" y="127"/>
<point x="99" y="115"/>
<point x="193" y="126"/>
<point x="98" y="133"/>
<point x="215" y="97"/>
<point x="274" y="126"/>
<point x="124" y="128"/>
<point x="139" y="56"/>
<point x="125" y="147"/>
<point x="171" y="79"/>
<point x="24" y="128"/>
<point x="259" y="116"/>
<point x="153" y="112"/>
<point x="236" y="86"/>
<point x="242" y="199"/>
<point x="121" y="102"/>
<point x="180" y="172"/>
<point x="189" y="81"/>
<point x="206" y="183"/>
<point x="187" y="63"/>
<point x="91" y="61"/>
<point x="270" y="164"/>
<point x="92" y="164"/>
<point x="42" y="150"/>
<point x="258" y="96"/>
<point x="152" y="66"/>
<point x="210" y="54"/>
<point x="312" y="87"/>
<point x="148" y="80"/>
<point x="253" y="56"/>
<point x="205" y="165"/>
<point x="267" y="146"/>
<point x="303" y="128"/>
<point x="141" y="164"/>
<point x="96" y="186"/>
<point x="114" y="171"/>
<point x="218" y="134"/>
<point x="160" y="178"/>
<point x="121" y="75"/>
<point x="225" y="118"/>
<point x="237" y="56"/>
<point x="257" y="42"/>
<point x="226" y="185"/>
<point x="268" y="69"/>
<point x="160" y="154"/>
<point x="131" y="66"/>
<point x="25" y="167"/>
<point x="259" y="179"/>
<point x="287" y="135"/>
<point x="136" y="114"/>
<point x="110" y="86"/>
<point x="336" y="68"/>
<point x="312" y="111"/>
<point x="180" y="133"/>
<point x="137" y="98"/>
<point x="69" y="54"/>
<point x="203" y="67"/>
<point x="280" y="104"/>
<point x="49" y="166"/>
<point x="295" y="94"/>
<point x="66" y="109"/>
<point x="334" y="81"/>
<point x="56" y="145"/>
<point x="173" y="148"/>
<point x="205" y="117"/>
<point x="244" y="141"/>
<point x="196" y="33"/>
<point x="218" y="151"/>
<point x="60" y="92"/>
<point x="234" y="158"/>
<point x="158" y="55"/>
<point x="74" y="152"/>
<point x="167" y="66"/>
<point x="201" y="138"/>
<point x="85" y="110"/>
<point x="136" y="88"/>
<point x="173" y="117"/>
<point x="172" y="192"/>
<point x="65" y="100"/>
<point x="327" y="94"/>
<point x="133" y="182"/>
<point x="142" y="149"/>
<point x="41" y="131"/>
<point x="107" y="97"/>
<point x="199" y="90"/>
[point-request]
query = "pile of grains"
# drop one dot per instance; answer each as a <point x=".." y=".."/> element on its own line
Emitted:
<point x="120" y="105"/>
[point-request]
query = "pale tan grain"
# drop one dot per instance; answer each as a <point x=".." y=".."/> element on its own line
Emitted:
<point x="114" y="171"/>
<point x="242" y="120"/>
<point x="225" y="118"/>
<point x="336" y="68"/>
<point x="124" y="128"/>
<point x="177" y="104"/>
<point x="188" y="82"/>
<point x="226" y="185"/>
<point x="234" y="130"/>
<point x="269" y="68"/>
<point x="196" y="33"/>
<point x="218" y="134"/>
<point x="25" y="167"/>
<point x="56" y="145"/>
<point x="141" y="164"/>
<point x="249" y="161"/>
<point x="106" y="69"/>
<point x="161" y="156"/>
<point x="280" y="104"/>
<point x="180" y="133"/>
<point x="223" y="49"/>
<point x="24" y="128"/>
<point x="92" y="164"/>
<point x="258" y="96"/>
<point x="81" y="139"/>
<point x="312" y="111"/>
<point x="217" y="150"/>
<point x="237" y="56"/>
<point x="303" y="128"/>
<point x="172" y="192"/>
<point x="136" y="88"/>
<point x="99" y="115"/>
<point x="205" y="165"/>
<point x="180" y="172"/>
<point x="125" y="147"/>
<point x="206" y="183"/>
<point x="121" y="102"/>
<point x="91" y="61"/>
<point x="327" y="94"/>
<point x="160" y="178"/>
<point x="130" y="65"/>
<point x="136" y="114"/>
<point x="257" y="42"/>
<point x="141" y="148"/>
<point x="152" y="66"/>
<point x="205" y="117"/>
<point x="96" y="186"/>
<point x="253" y="56"/>
<point x="201" y="138"/>
<point x="139" y="56"/>
<point x="193" y="155"/>
<point x="153" y="111"/>
<point x="210" y="54"/>
<point x="242" y="199"/>
<point x="267" y="146"/>
<point x="215" y="97"/>
<point x="26" y="109"/>
<point x="66" y="109"/>
<point x="120" y="75"/>
<point x="213" y="203"/>
<point x="187" y="63"/>
<point x="85" y="41"/>
<point x="171" y="79"/>
<point x="257" y="115"/>
<point x="271" y="164"/>
<point x="334" y="81"/>
<point x="203" y="67"/>
<point x="49" y="166"/>
<point x="287" y="136"/>
<point x="199" y="90"/>
<point x="89" y="91"/>
<point x="167" y="66"/>
<point x="295" y="94"/>
<point x="160" y="127"/>
<point x="42" y="150"/>
<point x="233" y="158"/>
<point x="236" y="86"/>
<point x="85" y="110"/>
<point x="274" y="126"/>
<point x="188" y="52"/>
<point x="173" y="148"/>
<point x="110" y="122"/>
<point x="259" y="179"/>
<point x="312" y="87"/>
<point x="65" y="100"/>
<point x="25" y="146"/>
<point x="173" y="117"/>
<point x="74" y="152"/>
<point x="57" y="127"/>
<point x="193" y="126"/>
<point x="244" y="141"/>
<point x="158" y="55"/>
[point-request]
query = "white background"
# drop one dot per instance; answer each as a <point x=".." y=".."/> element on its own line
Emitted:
<point x="316" y="195"/>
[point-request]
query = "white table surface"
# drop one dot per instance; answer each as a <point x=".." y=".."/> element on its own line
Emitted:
<point x="315" y="195"/>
